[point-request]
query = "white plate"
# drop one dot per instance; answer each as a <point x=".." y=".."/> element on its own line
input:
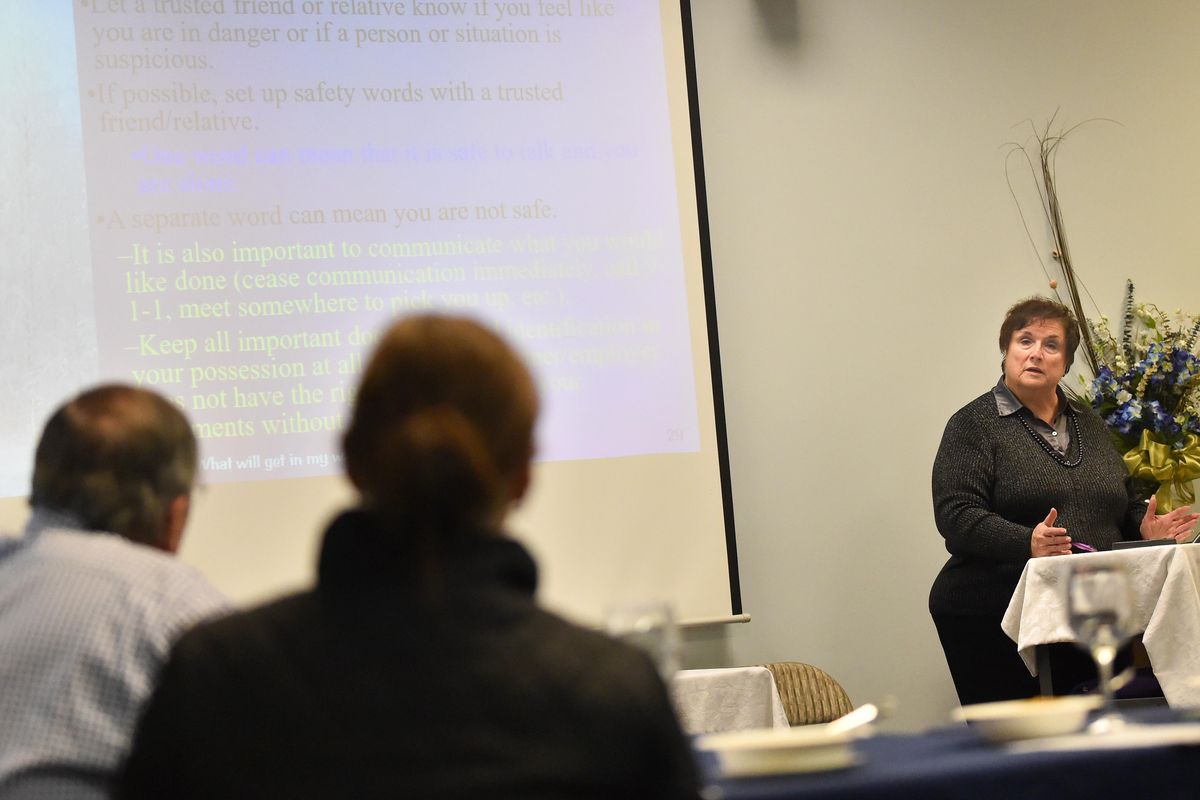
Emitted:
<point x="810" y="748"/>
<point x="1131" y="736"/>
<point x="1032" y="718"/>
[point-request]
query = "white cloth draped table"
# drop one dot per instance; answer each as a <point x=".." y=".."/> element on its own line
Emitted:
<point x="730" y="699"/>
<point x="1165" y="583"/>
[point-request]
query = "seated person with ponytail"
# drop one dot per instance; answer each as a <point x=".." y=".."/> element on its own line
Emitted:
<point x="419" y="665"/>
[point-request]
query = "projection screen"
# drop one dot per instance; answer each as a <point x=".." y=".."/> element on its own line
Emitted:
<point x="226" y="200"/>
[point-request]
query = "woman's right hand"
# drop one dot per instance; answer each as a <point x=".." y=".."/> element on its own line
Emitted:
<point x="1048" y="540"/>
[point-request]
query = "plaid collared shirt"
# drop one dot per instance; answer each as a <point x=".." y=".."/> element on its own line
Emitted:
<point x="86" y="620"/>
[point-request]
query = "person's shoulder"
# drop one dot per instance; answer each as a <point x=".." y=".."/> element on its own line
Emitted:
<point x="615" y="696"/>
<point x="164" y="578"/>
<point x="980" y="411"/>
<point x="171" y="594"/>
<point x="98" y="548"/>
<point x="89" y="575"/>
<point x="237" y="631"/>
<point x="587" y="638"/>
<point x="984" y="404"/>
<point x="594" y="662"/>
<point x="101" y="554"/>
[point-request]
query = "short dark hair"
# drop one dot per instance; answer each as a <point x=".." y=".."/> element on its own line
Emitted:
<point x="114" y="457"/>
<point x="1041" y="309"/>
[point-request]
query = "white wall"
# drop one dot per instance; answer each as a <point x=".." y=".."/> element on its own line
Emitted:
<point x="865" y="248"/>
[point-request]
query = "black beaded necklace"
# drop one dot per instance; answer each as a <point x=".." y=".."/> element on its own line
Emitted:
<point x="1057" y="456"/>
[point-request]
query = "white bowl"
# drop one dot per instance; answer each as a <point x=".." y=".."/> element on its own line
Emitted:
<point x="810" y="748"/>
<point x="1032" y="718"/>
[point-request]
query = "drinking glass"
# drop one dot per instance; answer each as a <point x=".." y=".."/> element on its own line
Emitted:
<point x="1100" y="608"/>
<point x="651" y="627"/>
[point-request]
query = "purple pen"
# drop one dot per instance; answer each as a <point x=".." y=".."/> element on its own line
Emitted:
<point x="1083" y="548"/>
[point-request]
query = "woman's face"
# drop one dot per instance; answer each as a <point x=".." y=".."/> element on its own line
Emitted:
<point x="1035" y="360"/>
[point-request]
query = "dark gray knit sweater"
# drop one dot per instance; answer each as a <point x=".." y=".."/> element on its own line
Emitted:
<point x="993" y="483"/>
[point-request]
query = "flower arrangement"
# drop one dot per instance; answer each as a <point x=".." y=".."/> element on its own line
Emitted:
<point x="1147" y="391"/>
<point x="1146" y="384"/>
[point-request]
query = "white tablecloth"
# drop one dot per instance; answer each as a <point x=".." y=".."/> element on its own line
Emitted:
<point x="1165" y="582"/>
<point x="731" y="699"/>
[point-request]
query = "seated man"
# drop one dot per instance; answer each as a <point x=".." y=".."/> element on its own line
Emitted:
<point x="91" y="598"/>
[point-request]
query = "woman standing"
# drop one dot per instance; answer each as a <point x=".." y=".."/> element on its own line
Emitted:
<point x="420" y="665"/>
<point x="1021" y="473"/>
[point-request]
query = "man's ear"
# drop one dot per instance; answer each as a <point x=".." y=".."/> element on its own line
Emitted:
<point x="176" y="520"/>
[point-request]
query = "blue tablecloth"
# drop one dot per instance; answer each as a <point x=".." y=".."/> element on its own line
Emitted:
<point x="955" y="763"/>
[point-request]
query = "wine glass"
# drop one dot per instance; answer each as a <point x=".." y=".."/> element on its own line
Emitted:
<point x="1100" y="609"/>
<point x="651" y="627"/>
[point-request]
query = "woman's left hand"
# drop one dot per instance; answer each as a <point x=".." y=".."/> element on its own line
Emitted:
<point x="1175" y="524"/>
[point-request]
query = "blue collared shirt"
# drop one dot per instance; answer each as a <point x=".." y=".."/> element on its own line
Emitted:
<point x="86" y="620"/>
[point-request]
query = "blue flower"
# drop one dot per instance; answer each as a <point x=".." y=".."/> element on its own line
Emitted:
<point x="1147" y="378"/>
<point x="1160" y="420"/>
<point x="1125" y="416"/>
<point x="1185" y="366"/>
<point x="1104" y="385"/>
